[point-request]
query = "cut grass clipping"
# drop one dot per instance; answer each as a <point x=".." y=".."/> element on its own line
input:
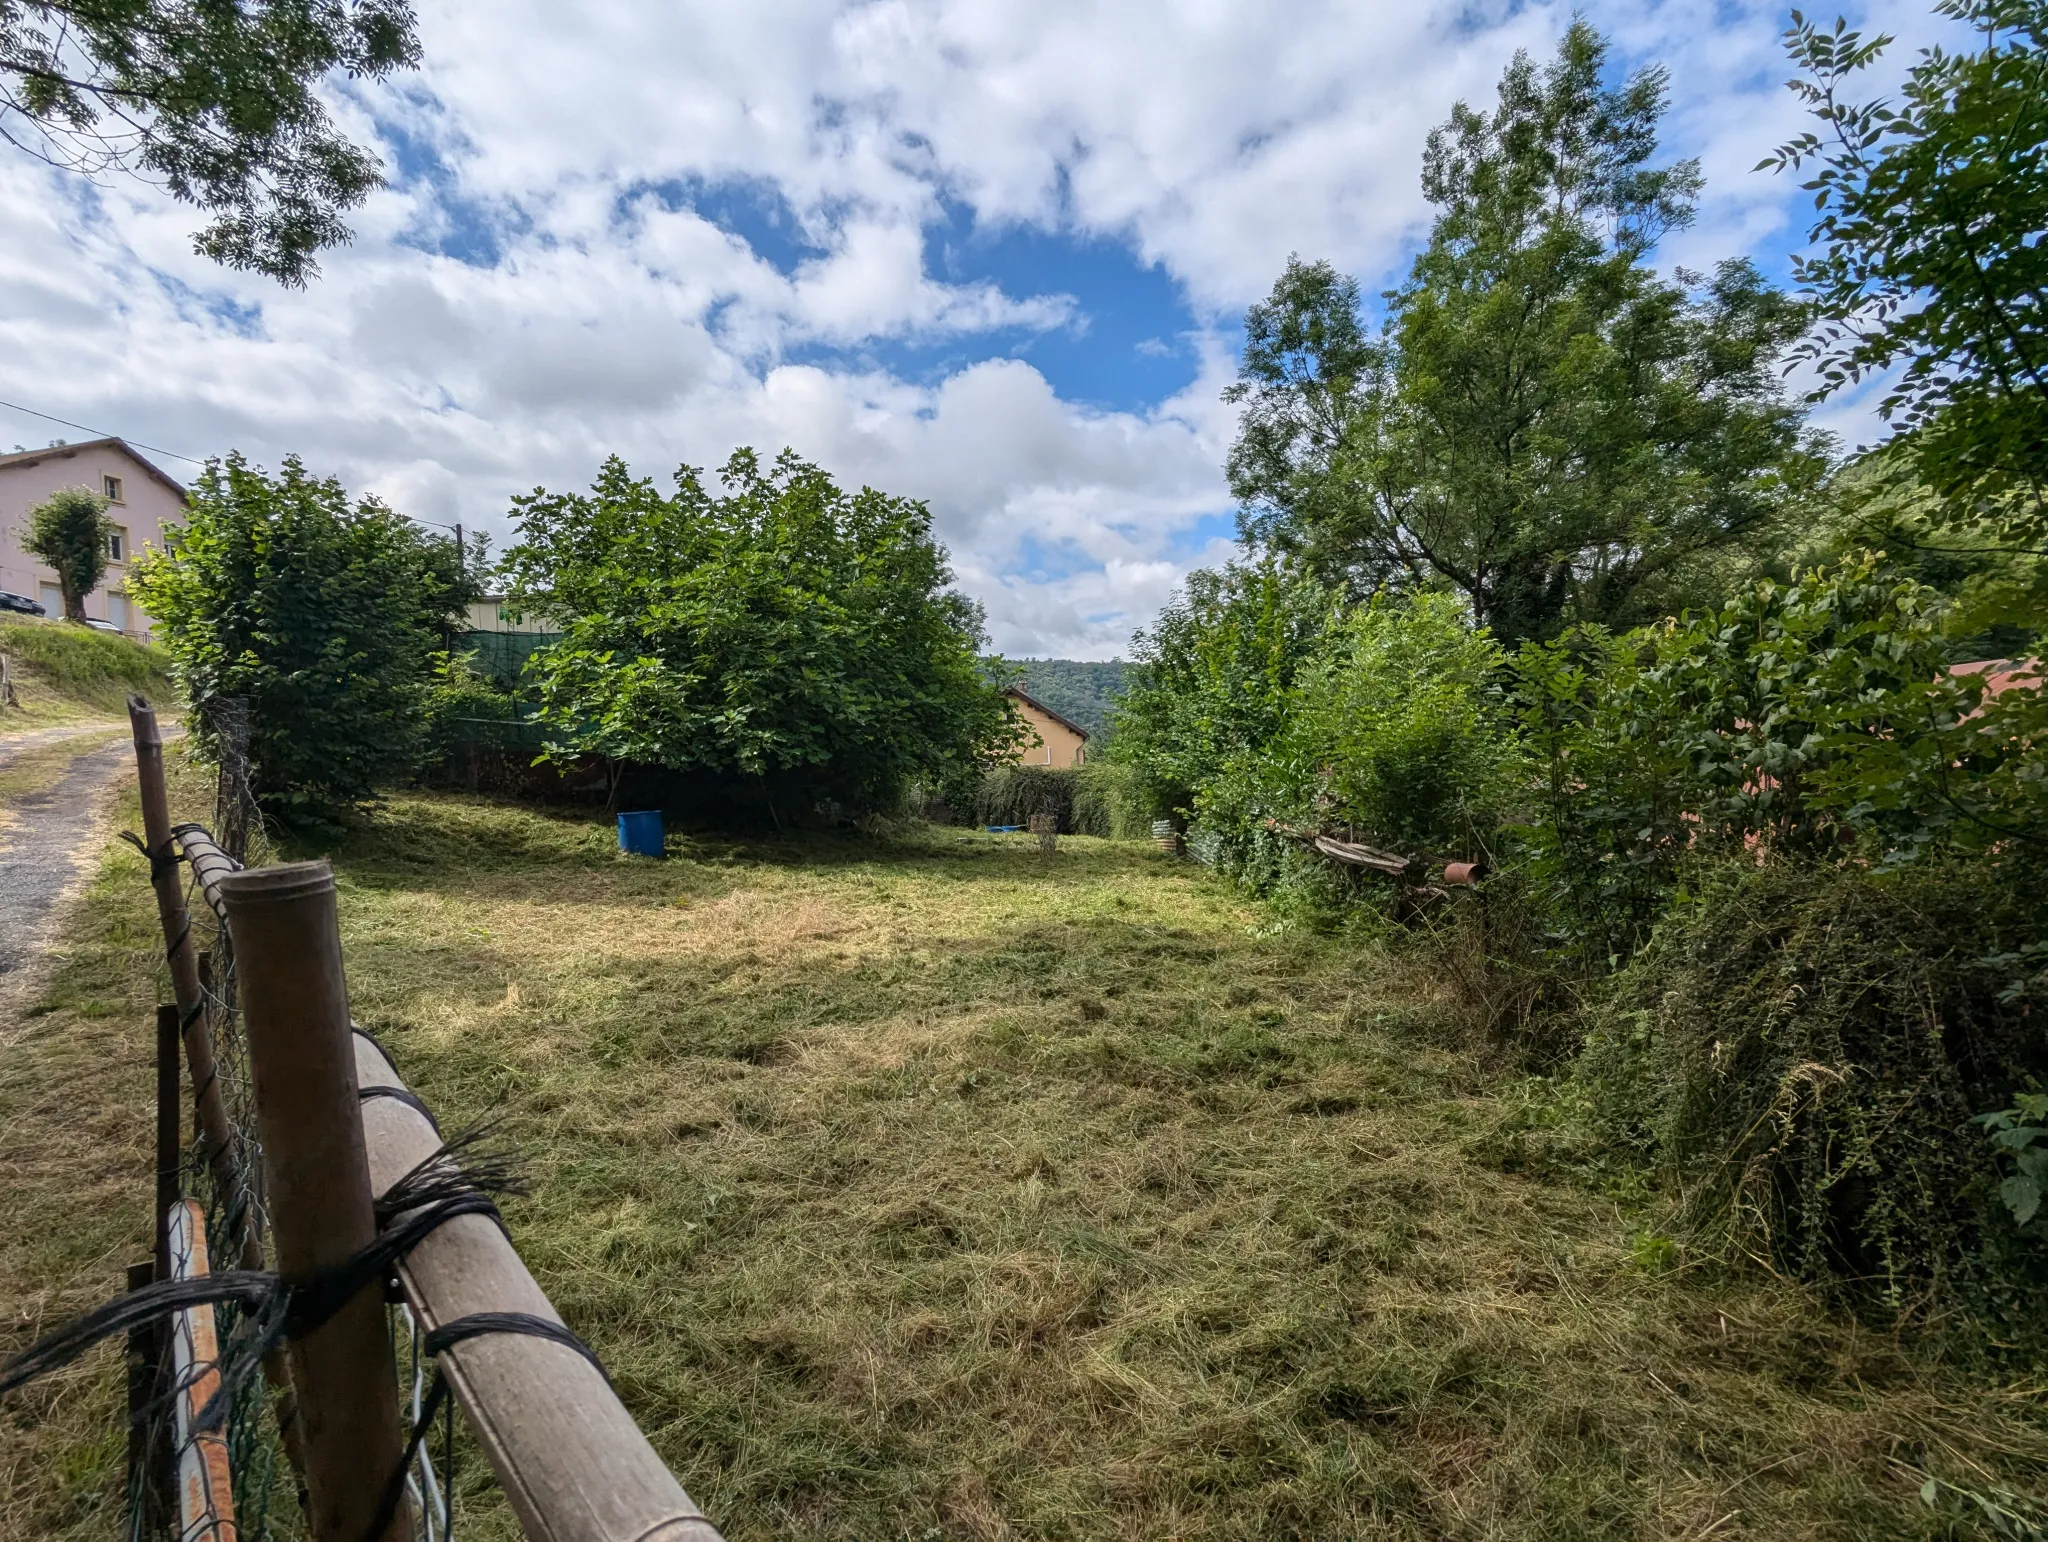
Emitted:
<point x="938" y="1188"/>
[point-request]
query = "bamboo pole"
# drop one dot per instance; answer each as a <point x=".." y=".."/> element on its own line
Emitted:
<point x="209" y="865"/>
<point x="206" y="1490"/>
<point x="317" y="1180"/>
<point x="209" y="862"/>
<point x="565" y="1450"/>
<point x="215" y="1133"/>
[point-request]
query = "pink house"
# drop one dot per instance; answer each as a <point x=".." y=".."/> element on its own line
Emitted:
<point x="141" y="501"/>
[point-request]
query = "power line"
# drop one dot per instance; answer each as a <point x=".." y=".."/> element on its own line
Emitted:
<point x="98" y="434"/>
<point x="174" y="455"/>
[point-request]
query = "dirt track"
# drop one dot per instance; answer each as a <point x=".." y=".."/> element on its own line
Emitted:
<point x="47" y="846"/>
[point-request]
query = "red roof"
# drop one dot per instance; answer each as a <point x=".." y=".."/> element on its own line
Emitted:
<point x="2002" y="674"/>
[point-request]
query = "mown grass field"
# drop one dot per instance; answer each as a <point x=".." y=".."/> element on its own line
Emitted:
<point x="930" y="1188"/>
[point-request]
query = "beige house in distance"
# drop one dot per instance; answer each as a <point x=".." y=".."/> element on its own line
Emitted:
<point x="141" y="501"/>
<point x="1058" y="741"/>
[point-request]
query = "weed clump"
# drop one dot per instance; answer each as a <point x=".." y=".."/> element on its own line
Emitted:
<point x="1805" y="1049"/>
<point x="1104" y="798"/>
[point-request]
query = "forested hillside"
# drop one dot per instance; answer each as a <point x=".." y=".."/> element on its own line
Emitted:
<point x="1082" y="689"/>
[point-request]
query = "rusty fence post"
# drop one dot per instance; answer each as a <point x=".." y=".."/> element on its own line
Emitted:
<point x="282" y="921"/>
<point x="168" y="1108"/>
<point x="148" y="1437"/>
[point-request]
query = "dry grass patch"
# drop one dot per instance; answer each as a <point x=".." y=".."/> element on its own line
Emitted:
<point x="935" y="1189"/>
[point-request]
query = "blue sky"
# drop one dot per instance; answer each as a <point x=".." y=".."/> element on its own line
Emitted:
<point x="987" y="254"/>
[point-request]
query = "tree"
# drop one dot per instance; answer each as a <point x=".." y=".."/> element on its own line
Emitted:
<point x="1543" y="423"/>
<point x="71" y="532"/>
<point x="325" y="616"/>
<point x="218" y="101"/>
<point x="1213" y="679"/>
<point x="1931" y="258"/>
<point x="785" y="630"/>
<point x="1396" y="734"/>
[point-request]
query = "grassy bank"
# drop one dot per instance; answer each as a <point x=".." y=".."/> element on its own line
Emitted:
<point x="66" y="672"/>
<point x="937" y="1189"/>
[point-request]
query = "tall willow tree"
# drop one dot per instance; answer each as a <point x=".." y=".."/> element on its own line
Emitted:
<point x="1544" y="422"/>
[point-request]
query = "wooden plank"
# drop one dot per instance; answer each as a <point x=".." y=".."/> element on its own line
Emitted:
<point x="566" y="1452"/>
<point x="206" y="1491"/>
<point x="1360" y="855"/>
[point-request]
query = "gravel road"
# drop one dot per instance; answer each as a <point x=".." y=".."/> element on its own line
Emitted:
<point x="15" y="745"/>
<point x="48" y="844"/>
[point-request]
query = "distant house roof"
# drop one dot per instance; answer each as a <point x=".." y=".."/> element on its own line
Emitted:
<point x="1038" y="706"/>
<point x="2001" y="675"/>
<point x="63" y="451"/>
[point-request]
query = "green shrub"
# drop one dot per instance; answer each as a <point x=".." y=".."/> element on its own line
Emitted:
<point x="1011" y="794"/>
<point x="1397" y="733"/>
<point x="1804" y="1046"/>
<point x="1115" y="799"/>
<point x="784" y="631"/>
<point x="1213" y="682"/>
<point x="1803" y="717"/>
<point x="1390" y="733"/>
<point x="95" y="668"/>
<point x="1104" y="798"/>
<point x="325" y="617"/>
<point x="462" y="705"/>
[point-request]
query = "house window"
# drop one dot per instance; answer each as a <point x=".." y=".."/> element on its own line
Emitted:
<point x="117" y="542"/>
<point x="111" y="486"/>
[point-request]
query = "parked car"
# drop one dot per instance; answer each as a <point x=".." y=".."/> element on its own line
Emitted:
<point x="21" y="604"/>
<point x="102" y="626"/>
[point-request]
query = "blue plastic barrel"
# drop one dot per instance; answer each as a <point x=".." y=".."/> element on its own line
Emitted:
<point x="640" y="833"/>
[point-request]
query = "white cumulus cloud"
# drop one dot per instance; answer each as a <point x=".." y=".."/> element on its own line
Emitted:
<point x="547" y="279"/>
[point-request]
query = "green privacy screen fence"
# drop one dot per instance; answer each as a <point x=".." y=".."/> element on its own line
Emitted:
<point x="502" y="656"/>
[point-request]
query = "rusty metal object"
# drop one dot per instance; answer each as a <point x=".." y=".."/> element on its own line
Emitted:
<point x="206" y="1491"/>
<point x="1464" y="875"/>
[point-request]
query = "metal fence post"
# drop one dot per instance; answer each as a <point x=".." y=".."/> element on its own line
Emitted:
<point x="183" y="957"/>
<point x="168" y="1107"/>
<point x="287" y="943"/>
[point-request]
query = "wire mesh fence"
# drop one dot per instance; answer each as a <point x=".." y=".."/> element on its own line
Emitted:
<point x="320" y="1243"/>
<point x="502" y="656"/>
<point x="231" y="1190"/>
<point x="267" y="1501"/>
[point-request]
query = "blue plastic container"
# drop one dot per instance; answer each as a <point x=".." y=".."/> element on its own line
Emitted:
<point x="640" y="834"/>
